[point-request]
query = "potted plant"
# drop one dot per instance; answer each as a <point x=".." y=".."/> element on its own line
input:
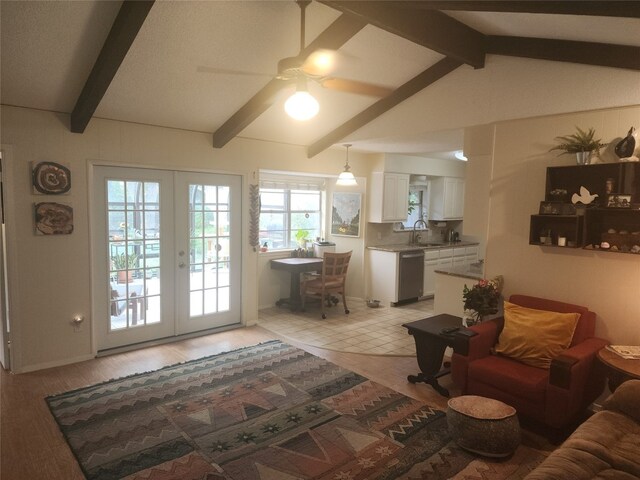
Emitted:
<point x="581" y="143"/>
<point x="301" y="238"/>
<point x="481" y="299"/>
<point x="124" y="264"/>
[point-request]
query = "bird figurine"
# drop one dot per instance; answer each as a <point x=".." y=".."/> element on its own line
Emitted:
<point x="585" y="197"/>
<point x="627" y="145"/>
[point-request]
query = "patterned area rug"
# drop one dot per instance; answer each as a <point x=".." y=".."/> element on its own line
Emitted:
<point x="268" y="412"/>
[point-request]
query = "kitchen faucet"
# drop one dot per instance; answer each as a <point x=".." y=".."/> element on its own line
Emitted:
<point x="413" y="231"/>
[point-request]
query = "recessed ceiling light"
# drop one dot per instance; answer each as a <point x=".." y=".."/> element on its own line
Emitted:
<point x="460" y="155"/>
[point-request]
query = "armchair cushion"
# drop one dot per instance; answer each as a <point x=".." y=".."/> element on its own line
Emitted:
<point x="535" y="337"/>
<point x="529" y="382"/>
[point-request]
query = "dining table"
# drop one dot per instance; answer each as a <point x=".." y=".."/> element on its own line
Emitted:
<point x="295" y="266"/>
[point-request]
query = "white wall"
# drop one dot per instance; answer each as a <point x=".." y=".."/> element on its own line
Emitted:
<point x="49" y="276"/>
<point x="607" y="283"/>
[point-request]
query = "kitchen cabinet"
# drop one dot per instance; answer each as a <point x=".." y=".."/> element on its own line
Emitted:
<point x="388" y="197"/>
<point x="445" y="258"/>
<point x="447" y="198"/>
<point x="383" y="276"/>
<point x="431" y="259"/>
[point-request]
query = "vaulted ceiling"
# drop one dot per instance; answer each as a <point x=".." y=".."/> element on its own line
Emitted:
<point x="198" y="65"/>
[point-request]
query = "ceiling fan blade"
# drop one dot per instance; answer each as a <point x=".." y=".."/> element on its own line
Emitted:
<point x="354" y="86"/>
<point x="226" y="71"/>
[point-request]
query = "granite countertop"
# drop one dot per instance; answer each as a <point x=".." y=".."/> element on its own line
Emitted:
<point x="473" y="271"/>
<point x="403" y="247"/>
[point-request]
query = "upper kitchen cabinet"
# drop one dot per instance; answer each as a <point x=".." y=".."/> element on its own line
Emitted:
<point x="447" y="198"/>
<point x="388" y="197"/>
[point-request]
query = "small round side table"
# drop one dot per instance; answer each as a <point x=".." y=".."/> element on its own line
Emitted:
<point x="619" y="369"/>
<point x="483" y="425"/>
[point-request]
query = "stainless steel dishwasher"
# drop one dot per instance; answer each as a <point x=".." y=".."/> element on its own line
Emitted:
<point x="411" y="275"/>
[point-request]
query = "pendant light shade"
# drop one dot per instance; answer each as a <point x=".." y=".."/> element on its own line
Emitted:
<point x="346" y="178"/>
<point x="301" y="105"/>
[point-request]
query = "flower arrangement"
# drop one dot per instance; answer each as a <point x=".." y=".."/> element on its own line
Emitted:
<point x="483" y="297"/>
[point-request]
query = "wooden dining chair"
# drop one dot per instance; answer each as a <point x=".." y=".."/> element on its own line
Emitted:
<point x="330" y="282"/>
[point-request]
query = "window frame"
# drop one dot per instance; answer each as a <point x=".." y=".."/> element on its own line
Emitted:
<point x="288" y="210"/>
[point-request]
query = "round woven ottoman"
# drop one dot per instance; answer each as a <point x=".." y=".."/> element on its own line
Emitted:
<point x="484" y="426"/>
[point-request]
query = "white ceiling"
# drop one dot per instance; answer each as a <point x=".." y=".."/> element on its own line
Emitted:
<point x="48" y="49"/>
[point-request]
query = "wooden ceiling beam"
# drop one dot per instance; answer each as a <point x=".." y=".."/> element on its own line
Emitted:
<point x="336" y="35"/>
<point x="413" y="86"/>
<point x="429" y="28"/>
<point x="588" y="53"/>
<point x="611" y="8"/>
<point x="124" y="30"/>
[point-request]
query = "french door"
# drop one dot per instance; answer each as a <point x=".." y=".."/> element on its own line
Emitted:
<point x="167" y="253"/>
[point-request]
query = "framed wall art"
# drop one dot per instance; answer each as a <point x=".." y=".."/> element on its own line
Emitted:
<point x="50" y="178"/>
<point x="53" y="218"/>
<point x="345" y="214"/>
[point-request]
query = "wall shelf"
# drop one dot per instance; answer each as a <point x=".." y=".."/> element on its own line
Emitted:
<point x="596" y="222"/>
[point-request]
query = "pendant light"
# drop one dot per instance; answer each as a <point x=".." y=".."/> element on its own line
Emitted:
<point x="346" y="178"/>
<point x="301" y="105"/>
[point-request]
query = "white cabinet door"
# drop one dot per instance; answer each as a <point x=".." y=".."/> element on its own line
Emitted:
<point x="383" y="276"/>
<point x="447" y="198"/>
<point x="471" y="255"/>
<point x="429" y="284"/>
<point x="388" y="197"/>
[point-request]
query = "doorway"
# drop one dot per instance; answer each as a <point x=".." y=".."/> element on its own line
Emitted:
<point x="167" y="253"/>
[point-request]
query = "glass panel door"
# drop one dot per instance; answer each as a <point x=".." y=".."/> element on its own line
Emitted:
<point x="209" y="262"/>
<point x="167" y="253"/>
<point x="133" y="255"/>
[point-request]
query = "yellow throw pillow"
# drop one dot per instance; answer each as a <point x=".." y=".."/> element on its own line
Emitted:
<point x="534" y="336"/>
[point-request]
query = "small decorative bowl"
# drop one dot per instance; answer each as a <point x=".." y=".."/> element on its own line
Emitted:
<point x="373" y="303"/>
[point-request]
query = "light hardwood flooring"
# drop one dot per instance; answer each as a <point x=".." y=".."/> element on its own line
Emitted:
<point x="32" y="447"/>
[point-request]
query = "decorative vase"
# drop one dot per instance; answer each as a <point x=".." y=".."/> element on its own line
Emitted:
<point x="582" y="158"/>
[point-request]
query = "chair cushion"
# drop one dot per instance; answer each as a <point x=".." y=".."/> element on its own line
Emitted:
<point x="534" y="337"/>
<point x="507" y="375"/>
<point x="317" y="283"/>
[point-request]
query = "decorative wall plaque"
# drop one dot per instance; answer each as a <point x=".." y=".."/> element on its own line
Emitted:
<point x="51" y="178"/>
<point x="53" y="218"/>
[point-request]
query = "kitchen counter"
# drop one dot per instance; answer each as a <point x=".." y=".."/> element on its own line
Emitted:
<point x="403" y="247"/>
<point x="464" y="271"/>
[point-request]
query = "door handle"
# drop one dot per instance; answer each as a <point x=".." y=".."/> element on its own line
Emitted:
<point x="181" y="265"/>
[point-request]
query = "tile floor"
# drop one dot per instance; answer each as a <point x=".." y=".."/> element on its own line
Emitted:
<point x="374" y="331"/>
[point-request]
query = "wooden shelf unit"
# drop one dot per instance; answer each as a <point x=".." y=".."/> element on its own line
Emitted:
<point x="592" y="224"/>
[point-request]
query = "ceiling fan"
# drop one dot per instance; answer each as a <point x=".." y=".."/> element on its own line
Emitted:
<point x="317" y="67"/>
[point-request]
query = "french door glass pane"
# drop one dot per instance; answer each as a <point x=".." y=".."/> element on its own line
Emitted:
<point x="134" y="251"/>
<point x="209" y="248"/>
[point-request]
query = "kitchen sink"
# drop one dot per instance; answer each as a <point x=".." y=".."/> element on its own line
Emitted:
<point x="428" y="244"/>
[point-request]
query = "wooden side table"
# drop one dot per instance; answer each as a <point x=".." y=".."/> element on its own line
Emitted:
<point x="431" y="342"/>
<point x="619" y="369"/>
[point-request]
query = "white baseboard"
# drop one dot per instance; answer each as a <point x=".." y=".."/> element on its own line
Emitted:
<point x="55" y="363"/>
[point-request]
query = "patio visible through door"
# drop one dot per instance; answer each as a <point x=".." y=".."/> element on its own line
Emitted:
<point x="167" y="259"/>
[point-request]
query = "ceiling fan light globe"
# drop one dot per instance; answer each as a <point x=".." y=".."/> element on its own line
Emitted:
<point x="301" y="106"/>
<point x="346" y="179"/>
<point x="320" y="62"/>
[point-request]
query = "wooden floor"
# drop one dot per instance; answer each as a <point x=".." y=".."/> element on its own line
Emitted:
<point x="32" y="447"/>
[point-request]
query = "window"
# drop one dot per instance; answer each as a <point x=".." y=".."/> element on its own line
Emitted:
<point x="291" y="208"/>
<point x="418" y="206"/>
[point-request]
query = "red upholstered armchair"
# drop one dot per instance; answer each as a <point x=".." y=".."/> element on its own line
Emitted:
<point x="556" y="396"/>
